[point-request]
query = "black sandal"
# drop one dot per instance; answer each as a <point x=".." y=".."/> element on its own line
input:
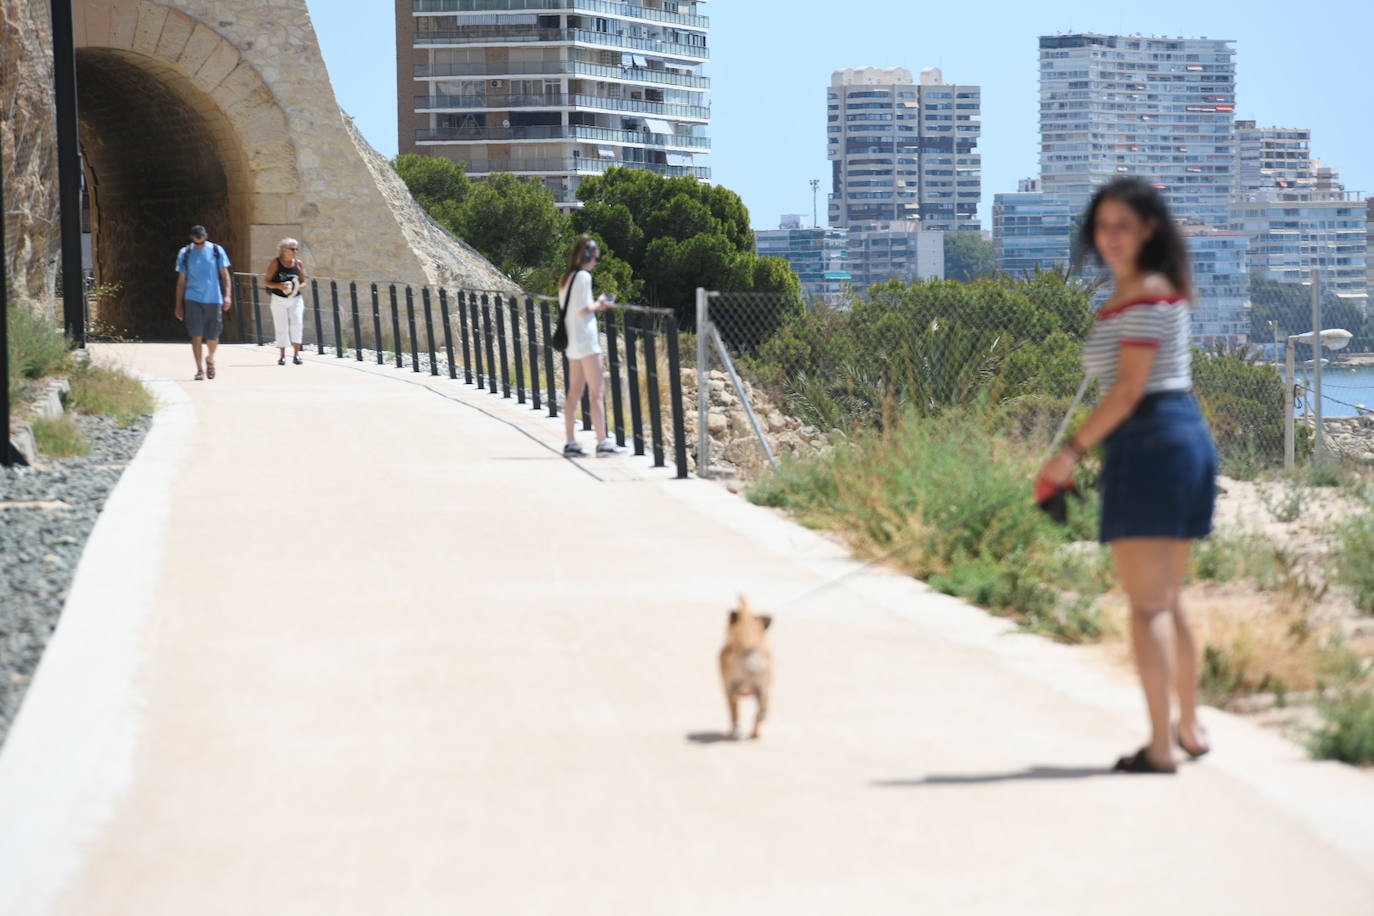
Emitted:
<point x="1140" y="762"/>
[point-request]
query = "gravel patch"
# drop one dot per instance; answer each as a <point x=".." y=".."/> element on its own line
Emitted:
<point x="45" y="517"/>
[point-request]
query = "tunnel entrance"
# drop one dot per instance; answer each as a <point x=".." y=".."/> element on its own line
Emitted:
<point x="159" y="158"/>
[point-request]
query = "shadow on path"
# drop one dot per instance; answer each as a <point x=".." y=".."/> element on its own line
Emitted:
<point x="711" y="737"/>
<point x="1033" y="772"/>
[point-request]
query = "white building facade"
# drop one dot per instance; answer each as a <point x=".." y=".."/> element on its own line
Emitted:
<point x="556" y="89"/>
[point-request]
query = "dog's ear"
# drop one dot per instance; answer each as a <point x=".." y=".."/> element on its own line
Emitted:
<point x="734" y="616"/>
<point x="766" y="620"/>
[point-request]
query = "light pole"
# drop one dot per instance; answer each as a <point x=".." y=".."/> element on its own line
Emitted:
<point x="1332" y="339"/>
<point x="815" y="219"/>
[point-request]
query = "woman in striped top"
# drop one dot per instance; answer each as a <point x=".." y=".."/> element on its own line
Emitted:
<point x="1159" y="469"/>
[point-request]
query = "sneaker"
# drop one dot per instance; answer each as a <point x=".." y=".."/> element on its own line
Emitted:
<point x="608" y="447"/>
<point x="281" y="361"/>
<point x="296" y="360"/>
<point x="574" y="450"/>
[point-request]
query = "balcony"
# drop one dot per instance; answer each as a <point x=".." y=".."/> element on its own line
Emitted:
<point x="426" y="103"/>
<point x="530" y="35"/>
<point x="580" y="165"/>
<point x="559" y="68"/>
<point x="628" y="10"/>
<point x="559" y="132"/>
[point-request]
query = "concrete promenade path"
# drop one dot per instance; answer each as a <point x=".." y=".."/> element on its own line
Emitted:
<point x="352" y="640"/>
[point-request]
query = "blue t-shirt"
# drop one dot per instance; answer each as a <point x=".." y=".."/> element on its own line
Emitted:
<point x="201" y="267"/>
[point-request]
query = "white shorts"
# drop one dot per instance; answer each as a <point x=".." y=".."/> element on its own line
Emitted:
<point x="288" y="320"/>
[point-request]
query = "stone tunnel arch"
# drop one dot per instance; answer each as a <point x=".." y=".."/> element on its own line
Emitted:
<point x="176" y="129"/>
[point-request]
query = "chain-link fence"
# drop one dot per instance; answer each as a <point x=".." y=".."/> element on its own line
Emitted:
<point x="812" y="374"/>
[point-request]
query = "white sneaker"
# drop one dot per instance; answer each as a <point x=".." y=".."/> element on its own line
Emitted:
<point x="608" y="447"/>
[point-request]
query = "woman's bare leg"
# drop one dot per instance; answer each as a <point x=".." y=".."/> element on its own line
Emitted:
<point x="1186" y="668"/>
<point x="1145" y="568"/>
<point x="591" y="371"/>
<point x="576" y="382"/>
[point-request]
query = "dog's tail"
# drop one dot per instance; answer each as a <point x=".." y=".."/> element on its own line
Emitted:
<point x="743" y="621"/>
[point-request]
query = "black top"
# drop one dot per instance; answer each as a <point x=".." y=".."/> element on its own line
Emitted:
<point x="285" y="273"/>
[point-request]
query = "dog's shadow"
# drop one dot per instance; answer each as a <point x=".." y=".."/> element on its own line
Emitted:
<point x="714" y="738"/>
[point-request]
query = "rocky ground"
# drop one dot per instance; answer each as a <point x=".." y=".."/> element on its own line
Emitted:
<point x="46" y="514"/>
<point x="735" y="448"/>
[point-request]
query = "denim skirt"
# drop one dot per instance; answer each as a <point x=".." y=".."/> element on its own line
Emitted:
<point x="1159" y="476"/>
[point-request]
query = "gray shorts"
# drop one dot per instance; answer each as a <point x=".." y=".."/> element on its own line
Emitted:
<point x="204" y="319"/>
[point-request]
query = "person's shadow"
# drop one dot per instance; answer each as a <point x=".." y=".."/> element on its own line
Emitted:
<point x="711" y="737"/>
<point x="968" y="779"/>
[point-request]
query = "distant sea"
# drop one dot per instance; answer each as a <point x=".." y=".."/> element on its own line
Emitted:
<point x="1342" y="387"/>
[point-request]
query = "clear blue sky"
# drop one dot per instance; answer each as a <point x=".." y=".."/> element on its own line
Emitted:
<point x="1297" y="66"/>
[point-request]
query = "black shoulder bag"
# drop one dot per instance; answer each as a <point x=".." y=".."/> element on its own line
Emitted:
<point x="560" y="333"/>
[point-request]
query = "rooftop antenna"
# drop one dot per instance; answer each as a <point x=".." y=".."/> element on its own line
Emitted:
<point x="815" y="186"/>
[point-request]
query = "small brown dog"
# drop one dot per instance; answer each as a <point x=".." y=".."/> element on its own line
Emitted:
<point x="746" y="664"/>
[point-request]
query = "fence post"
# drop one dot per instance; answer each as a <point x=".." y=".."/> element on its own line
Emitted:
<point x="548" y="361"/>
<point x="675" y="398"/>
<point x="396" y="329"/>
<point x="257" y="314"/>
<point x="463" y="335"/>
<point x="613" y="362"/>
<point x="8" y="454"/>
<point x="1290" y="389"/>
<point x="655" y="407"/>
<point x="491" y="345"/>
<point x="240" y="306"/>
<point x="514" y="303"/>
<point x="501" y="342"/>
<point x="319" y="331"/>
<point x="337" y="317"/>
<point x="448" y="333"/>
<point x="632" y="371"/>
<point x="377" y="326"/>
<point x="357" y="325"/>
<point x="703" y="389"/>
<point x="479" y="341"/>
<point x="410" y="323"/>
<point x="429" y="331"/>
<point x="534" y="351"/>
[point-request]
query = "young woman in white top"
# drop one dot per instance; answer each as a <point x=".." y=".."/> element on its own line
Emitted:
<point x="288" y="312"/>
<point x="1159" y="470"/>
<point x="584" y="346"/>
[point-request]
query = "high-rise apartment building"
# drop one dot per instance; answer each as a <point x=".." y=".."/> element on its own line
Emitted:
<point x="558" y="89"/>
<point x="903" y="151"/>
<point x="832" y="263"/>
<point x="1273" y="157"/>
<point x="1292" y="233"/>
<point x="1031" y="230"/>
<point x="1221" y="285"/>
<point x="819" y="257"/>
<point x="1159" y="108"/>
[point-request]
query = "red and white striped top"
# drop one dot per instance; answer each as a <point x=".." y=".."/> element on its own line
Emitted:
<point x="1160" y="322"/>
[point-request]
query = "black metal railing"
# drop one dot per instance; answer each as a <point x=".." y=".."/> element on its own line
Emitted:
<point x="497" y="342"/>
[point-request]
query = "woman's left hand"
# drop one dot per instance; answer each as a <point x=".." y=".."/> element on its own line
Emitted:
<point x="1058" y="470"/>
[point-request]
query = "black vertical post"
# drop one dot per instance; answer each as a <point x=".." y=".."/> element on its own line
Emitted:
<point x="357" y="324"/>
<point x="632" y="372"/>
<point x="410" y="322"/>
<point x="514" y="304"/>
<point x="548" y="361"/>
<point x="396" y="330"/>
<point x="491" y="345"/>
<point x="7" y="451"/>
<point x="501" y="342"/>
<point x="478" y="339"/>
<point x="534" y="351"/>
<point x="675" y="395"/>
<point x="429" y="331"/>
<point x="319" y="331"/>
<point x="448" y="333"/>
<point x="68" y="173"/>
<point x="463" y="335"/>
<point x="377" y="326"/>
<point x="337" y="318"/>
<point x="655" y="408"/>
<point x="257" y="313"/>
<point x="239" y="308"/>
<point x="613" y="361"/>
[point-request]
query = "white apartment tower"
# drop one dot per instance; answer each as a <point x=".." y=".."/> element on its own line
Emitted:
<point x="558" y="89"/>
<point x="1159" y="108"/>
<point x="903" y="151"/>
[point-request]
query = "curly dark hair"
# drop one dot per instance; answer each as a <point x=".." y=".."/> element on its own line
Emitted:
<point x="1164" y="251"/>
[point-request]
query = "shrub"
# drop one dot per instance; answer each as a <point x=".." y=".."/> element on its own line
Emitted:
<point x="1354" y="549"/>
<point x="37" y="347"/>
<point x="1346" y="732"/>
<point x="109" y="391"/>
<point x="60" y="438"/>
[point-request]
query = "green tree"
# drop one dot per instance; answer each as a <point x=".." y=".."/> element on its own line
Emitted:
<point x="677" y="234"/>
<point x="438" y="185"/>
<point x="1290" y="304"/>
<point x="968" y="256"/>
<point x="515" y="223"/>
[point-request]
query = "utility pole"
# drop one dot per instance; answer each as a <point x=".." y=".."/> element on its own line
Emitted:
<point x="1319" y="453"/>
<point x="815" y="187"/>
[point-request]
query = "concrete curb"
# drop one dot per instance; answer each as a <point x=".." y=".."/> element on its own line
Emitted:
<point x="70" y="755"/>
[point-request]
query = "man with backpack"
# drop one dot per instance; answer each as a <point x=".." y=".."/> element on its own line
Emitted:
<point x="203" y="295"/>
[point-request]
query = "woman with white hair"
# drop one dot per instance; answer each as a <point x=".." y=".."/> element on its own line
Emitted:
<point x="285" y="278"/>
